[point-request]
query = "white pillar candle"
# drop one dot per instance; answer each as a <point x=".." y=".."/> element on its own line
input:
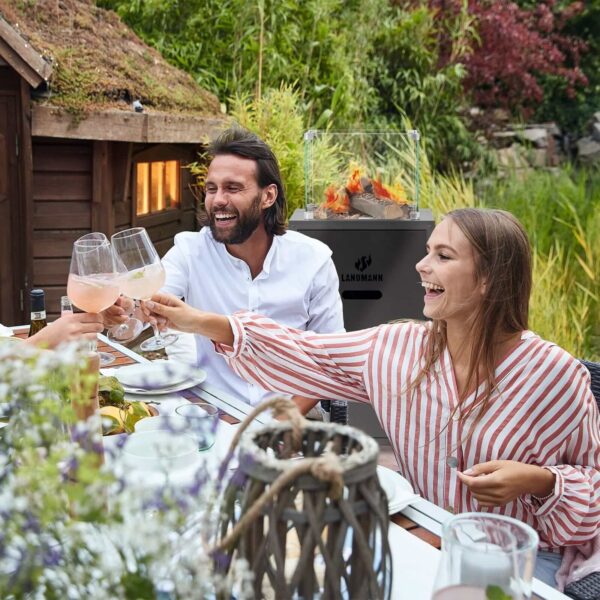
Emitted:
<point x="486" y="564"/>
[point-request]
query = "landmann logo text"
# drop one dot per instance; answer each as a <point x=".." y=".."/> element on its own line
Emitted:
<point x="361" y="277"/>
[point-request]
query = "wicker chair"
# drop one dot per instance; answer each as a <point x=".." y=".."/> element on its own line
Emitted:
<point x="594" y="369"/>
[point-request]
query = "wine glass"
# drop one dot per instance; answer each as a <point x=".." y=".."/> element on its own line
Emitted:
<point x="93" y="283"/>
<point x="486" y="556"/>
<point x="145" y="275"/>
<point x="130" y="329"/>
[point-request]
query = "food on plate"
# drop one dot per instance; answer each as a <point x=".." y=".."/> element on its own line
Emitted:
<point x="110" y="392"/>
<point x="119" y="415"/>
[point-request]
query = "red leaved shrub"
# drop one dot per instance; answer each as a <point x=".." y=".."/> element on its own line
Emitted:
<point x="517" y="48"/>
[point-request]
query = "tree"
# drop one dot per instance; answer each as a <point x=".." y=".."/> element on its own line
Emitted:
<point x="518" y="49"/>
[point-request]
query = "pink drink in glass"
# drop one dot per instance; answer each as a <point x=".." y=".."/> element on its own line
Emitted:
<point x="460" y="592"/>
<point x="141" y="283"/>
<point x="92" y="293"/>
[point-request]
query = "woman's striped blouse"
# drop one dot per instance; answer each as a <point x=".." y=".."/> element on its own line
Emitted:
<point x="543" y="412"/>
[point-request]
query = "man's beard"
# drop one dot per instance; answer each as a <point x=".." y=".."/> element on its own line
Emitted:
<point x="245" y="226"/>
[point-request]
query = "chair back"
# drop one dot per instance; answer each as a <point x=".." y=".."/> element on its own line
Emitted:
<point x="594" y="369"/>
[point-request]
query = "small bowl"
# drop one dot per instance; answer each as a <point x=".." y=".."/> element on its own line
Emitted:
<point x="159" y="450"/>
<point x="173" y="423"/>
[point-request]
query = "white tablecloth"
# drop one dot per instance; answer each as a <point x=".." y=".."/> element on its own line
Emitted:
<point x="414" y="564"/>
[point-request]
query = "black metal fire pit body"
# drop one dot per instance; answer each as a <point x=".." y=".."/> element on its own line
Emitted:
<point x="375" y="260"/>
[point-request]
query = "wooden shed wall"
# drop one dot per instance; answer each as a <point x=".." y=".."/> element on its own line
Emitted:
<point x="14" y="156"/>
<point x="82" y="186"/>
<point x="62" y="194"/>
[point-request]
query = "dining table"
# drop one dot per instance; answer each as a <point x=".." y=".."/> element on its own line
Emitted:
<point x="414" y="531"/>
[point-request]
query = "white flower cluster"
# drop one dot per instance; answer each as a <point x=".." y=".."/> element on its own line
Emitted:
<point x="69" y="527"/>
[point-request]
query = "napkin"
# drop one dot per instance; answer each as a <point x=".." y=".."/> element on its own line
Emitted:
<point x="5" y="331"/>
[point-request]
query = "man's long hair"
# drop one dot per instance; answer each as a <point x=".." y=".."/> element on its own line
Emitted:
<point x="245" y="144"/>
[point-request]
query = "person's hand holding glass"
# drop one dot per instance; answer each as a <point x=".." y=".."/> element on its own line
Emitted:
<point x="143" y="277"/>
<point x="93" y="283"/>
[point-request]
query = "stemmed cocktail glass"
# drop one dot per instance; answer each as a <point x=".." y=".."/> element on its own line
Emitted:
<point x="93" y="283"/>
<point x="145" y="275"/>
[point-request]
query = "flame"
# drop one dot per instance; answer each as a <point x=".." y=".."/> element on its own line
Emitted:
<point x="336" y="201"/>
<point x="354" y="186"/>
<point x="394" y="192"/>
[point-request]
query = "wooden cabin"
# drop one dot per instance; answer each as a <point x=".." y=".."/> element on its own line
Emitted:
<point x="75" y="155"/>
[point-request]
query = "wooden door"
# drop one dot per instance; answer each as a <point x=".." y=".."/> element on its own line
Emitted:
<point x="11" y="265"/>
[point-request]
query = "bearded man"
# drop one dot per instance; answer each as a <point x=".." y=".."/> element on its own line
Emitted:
<point x="244" y="259"/>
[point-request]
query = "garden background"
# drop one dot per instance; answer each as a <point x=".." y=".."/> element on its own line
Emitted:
<point x="459" y="71"/>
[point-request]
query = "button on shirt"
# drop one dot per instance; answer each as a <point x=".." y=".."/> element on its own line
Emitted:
<point x="297" y="287"/>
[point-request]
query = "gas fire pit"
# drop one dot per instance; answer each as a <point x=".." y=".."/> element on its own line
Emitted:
<point x="360" y="174"/>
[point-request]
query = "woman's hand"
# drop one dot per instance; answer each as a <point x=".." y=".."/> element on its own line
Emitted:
<point x="167" y="310"/>
<point x="119" y="312"/>
<point x="68" y="328"/>
<point x="499" y="482"/>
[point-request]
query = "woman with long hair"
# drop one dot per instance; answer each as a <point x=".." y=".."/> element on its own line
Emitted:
<point x="481" y="412"/>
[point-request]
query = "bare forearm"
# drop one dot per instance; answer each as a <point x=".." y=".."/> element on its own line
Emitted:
<point x="213" y="326"/>
<point x="169" y="311"/>
<point x="304" y="404"/>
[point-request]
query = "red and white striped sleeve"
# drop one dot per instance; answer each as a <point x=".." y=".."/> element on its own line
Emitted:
<point x="291" y="361"/>
<point x="572" y="514"/>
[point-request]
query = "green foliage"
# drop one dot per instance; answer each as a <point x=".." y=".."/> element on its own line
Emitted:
<point x="409" y="82"/>
<point x="74" y="81"/>
<point x="494" y="592"/>
<point x="573" y="112"/>
<point x="75" y="527"/>
<point x="440" y="192"/>
<point x="276" y="118"/>
<point x="236" y="48"/>
<point x="561" y="213"/>
<point x="359" y="64"/>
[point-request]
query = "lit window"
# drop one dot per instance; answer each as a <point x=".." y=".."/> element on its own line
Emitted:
<point x="157" y="186"/>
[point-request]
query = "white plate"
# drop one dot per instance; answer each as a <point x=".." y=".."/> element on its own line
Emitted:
<point x="157" y="374"/>
<point x="181" y="474"/>
<point x="198" y="378"/>
<point x="397" y="489"/>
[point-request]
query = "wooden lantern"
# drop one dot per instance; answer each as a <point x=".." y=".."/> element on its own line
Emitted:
<point x="306" y="510"/>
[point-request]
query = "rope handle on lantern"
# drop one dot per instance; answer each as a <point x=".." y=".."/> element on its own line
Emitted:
<point x="326" y="467"/>
<point x="281" y="407"/>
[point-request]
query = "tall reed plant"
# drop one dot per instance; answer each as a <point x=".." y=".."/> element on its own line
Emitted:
<point x="561" y="212"/>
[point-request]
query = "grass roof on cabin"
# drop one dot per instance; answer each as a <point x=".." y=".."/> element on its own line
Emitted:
<point x="99" y="63"/>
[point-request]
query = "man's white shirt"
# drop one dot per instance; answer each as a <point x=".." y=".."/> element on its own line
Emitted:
<point x="297" y="287"/>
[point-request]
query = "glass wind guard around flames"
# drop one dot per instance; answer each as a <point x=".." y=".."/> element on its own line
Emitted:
<point x="361" y="174"/>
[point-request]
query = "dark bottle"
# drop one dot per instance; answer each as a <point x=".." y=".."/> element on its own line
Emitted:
<point x="339" y="412"/>
<point x="38" y="311"/>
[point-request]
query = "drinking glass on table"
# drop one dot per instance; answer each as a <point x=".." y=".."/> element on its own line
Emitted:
<point x="486" y="556"/>
<point x="93" y="283"/>
<point x="202" y="420"/>
<point x="144" y="275"/>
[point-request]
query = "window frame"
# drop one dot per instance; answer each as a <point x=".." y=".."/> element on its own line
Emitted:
<point x="158" y="153"/>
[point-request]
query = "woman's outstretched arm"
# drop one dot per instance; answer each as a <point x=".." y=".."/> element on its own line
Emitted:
<point x="170" y="311"/>
<point x="277" y="358"/>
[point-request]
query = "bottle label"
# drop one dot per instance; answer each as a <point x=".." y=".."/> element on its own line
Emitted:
<point x="38" y="316"/>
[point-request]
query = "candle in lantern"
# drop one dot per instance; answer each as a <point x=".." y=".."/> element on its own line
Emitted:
<point x="486" y="564"/>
